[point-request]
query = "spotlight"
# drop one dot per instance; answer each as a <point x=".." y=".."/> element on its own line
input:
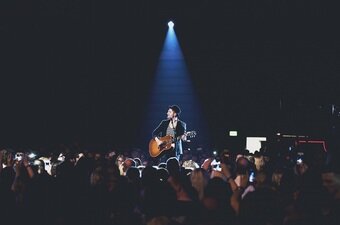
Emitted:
<point x="171" y="24"/>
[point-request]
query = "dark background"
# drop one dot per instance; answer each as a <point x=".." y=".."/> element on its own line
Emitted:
<point x="82" y="70"/>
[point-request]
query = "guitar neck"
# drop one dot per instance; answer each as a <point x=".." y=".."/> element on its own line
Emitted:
<point x="190" y="134"/>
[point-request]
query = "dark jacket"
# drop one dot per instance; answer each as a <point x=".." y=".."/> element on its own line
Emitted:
<point x="160" y="131"/>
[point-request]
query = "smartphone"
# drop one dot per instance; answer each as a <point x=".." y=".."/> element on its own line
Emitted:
<point x="252" y="177"/>
<point x="217" y="168"/>
<point x="299" y="158"/>
<point x="216" y="165"/>
<point x="18" y="156"/>
<point x="299" y="161"/>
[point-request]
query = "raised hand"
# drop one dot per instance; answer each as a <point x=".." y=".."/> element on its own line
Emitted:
<point x="17" y="166"/>
<point x="25" y="161"/>
<point x="10" y="160"/>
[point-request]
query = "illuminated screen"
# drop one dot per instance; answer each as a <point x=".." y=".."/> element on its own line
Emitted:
<point x="254" y="143"/>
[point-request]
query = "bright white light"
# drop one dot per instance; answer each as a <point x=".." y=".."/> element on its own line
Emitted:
<point x="233" y="133"/>
<point x="61" y="157"/>
<point x="171" y="24"/>
<point x="32" y="155"/>
<point x="254" y="143"/>
<point x="48" y="166"/>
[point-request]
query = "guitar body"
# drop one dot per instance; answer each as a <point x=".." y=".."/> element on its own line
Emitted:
<point x="167" y="143"/>
<point x="155" y="149"/>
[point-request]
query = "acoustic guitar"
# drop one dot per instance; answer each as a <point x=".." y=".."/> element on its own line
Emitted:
<point x="167" y="142"/>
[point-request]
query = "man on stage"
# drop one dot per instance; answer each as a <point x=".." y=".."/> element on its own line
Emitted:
<point x="175" y="128"/>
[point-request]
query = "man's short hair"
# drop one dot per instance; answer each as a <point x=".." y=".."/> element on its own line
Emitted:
<point x="175" y="108"/>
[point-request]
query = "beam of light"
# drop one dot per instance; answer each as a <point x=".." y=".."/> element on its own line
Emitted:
<point x="172" y="85"/>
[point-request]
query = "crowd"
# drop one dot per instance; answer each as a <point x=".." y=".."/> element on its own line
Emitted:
<point x="92" y="187"/>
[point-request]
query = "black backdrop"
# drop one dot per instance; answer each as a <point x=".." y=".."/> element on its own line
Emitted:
<point x="83" y="69"/>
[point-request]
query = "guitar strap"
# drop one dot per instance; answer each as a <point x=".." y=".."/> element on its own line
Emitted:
<point x="174" y="128"/>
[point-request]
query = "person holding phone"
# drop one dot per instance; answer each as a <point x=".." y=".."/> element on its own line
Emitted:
<point x="244" y="173"/>
<point x="300" y="167"/>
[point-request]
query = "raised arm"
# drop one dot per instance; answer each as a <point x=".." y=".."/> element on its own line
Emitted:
<point x="27" y="166"/>
<point x="237" y="191"/>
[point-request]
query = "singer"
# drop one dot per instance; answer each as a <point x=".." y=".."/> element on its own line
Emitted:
<point x="174" y="127"/>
